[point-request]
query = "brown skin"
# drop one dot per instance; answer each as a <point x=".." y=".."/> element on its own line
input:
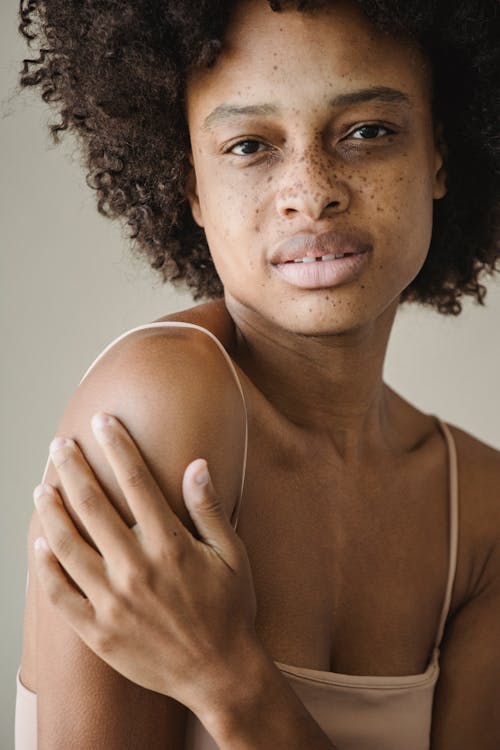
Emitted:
<point x="328" y="439"/>
<point x="324" y="347"/>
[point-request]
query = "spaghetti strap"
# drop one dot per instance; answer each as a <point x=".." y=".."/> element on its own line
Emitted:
<point x="453" y="515"/>
<point x="181" y="324"/>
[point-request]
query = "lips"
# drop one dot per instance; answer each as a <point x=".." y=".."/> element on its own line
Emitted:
<point x="324" y="274"/>
<point x="307" y="245"/>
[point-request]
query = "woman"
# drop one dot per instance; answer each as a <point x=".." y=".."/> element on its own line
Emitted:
<point x="248" y="148"/>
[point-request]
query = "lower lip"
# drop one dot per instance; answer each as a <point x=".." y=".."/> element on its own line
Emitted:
<point x="323" y="273"/>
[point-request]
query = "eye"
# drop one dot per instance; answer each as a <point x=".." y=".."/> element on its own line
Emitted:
<point x="369" y="132"/>
<point x="247" y="147"/>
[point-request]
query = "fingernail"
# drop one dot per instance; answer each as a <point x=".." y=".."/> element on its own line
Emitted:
<point x="202" y="476"/>
<point x="58" y="448"/>
<point x="101" y="419"/>
<point x="42" y="489"/>
<point x="101" y="422"/>
<point x="40" y="544"/>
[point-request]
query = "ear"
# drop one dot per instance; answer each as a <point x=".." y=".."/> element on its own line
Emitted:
<point x="440" y="156"/>
<point x="191" y="191"/>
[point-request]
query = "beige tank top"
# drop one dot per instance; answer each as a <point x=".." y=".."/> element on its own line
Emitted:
<point x="356" y="712"/>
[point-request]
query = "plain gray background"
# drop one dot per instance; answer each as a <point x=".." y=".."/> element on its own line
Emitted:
<point x="69" y="286"/>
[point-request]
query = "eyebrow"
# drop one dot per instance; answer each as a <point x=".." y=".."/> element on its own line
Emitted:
<point x="381" y="93"/>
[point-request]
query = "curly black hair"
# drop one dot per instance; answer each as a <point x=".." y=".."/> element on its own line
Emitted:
<point x="116" y="72"/>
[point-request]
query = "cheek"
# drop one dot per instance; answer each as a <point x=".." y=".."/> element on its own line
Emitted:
<point x="231" y="215"/>
<point x="396" y="205"/>
<point x="230" y="211"/>
<point x="403" y="201"/>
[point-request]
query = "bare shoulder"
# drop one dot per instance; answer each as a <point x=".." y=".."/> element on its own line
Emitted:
<point x="479" y="467"/>
<point x="479" y="502"/>
<point x="173" y="389"/>
<point x="465" y="703"/>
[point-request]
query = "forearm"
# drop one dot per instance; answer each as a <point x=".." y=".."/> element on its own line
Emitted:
<point x="261" y="711"/>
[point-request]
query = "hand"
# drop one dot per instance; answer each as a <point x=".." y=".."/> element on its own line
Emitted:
<point x="169" y="612"/>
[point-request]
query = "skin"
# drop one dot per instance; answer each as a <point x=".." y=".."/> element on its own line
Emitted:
<point x="330" y="438"/>
<point x="127" y="562"/>
<point x="325" y="347"/>
<point x="197" y="643"/>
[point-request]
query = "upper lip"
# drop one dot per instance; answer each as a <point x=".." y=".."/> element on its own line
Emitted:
<point x="308" y="245"/>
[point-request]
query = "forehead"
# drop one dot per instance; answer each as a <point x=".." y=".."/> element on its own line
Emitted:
<point x="294" y="58"/>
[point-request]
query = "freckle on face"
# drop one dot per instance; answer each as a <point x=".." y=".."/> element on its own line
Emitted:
<point x="238" y="210"/>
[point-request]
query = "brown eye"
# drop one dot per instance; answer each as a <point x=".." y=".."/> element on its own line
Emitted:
<point x="247" y="148"/>
<point x="370" y="132"/>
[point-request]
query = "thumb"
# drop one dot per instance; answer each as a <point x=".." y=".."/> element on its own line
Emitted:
<point x="206" y="510"/>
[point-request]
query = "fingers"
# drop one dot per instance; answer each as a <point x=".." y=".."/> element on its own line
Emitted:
<point x="147" y="502"/>
<point x="77" y="610"/>
<point x="57" y="587"/>
<point x="79" y="560"/>
<point x="109" y="532"/>
<point x="207" y="512"/>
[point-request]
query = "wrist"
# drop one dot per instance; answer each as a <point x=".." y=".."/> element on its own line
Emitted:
<point x="248" y="686"/>
<point x="259" y="709"/>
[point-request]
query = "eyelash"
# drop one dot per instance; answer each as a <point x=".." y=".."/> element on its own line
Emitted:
<point x="361" y="127"/>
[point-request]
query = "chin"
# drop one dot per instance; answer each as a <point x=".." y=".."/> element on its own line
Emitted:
<point x="323" y="316"/>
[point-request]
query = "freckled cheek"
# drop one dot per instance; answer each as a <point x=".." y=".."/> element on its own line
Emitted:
<point x="400" y="206"/>
<point x="410" y="203"/>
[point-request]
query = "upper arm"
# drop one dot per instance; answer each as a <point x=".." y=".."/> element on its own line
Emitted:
<point x="178" y="399"/>
<point x="465" y="712"/>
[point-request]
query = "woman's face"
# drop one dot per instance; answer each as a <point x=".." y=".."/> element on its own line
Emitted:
<point x="293" y="154"/>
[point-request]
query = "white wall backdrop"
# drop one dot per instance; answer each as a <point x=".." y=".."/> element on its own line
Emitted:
<point x="69" y="286"/>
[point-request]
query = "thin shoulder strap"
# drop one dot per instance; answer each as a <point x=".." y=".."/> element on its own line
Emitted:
<point x="453" y="544"/>
<point x="179" y="324"/>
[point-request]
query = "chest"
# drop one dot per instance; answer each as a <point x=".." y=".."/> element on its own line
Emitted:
<point x="350" y="570"/>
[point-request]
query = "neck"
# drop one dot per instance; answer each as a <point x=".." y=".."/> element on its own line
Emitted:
<point x="328" y="385"/>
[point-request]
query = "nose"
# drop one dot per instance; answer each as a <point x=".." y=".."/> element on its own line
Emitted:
<point x="310" y="187"/>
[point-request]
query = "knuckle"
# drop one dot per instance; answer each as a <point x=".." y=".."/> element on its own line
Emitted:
<point x="112" y="613"/>
<point x="104" y="641"/>
<point x="54" y="593"/>
<point x="63" y="459"/>
<point x="62" y="545"/>
<point x="136" y="476"/>
<point x="211" y="507"/>
<point x="135" y="580"/>
<point x="173" y="551"/>
<point x="87" y="500"/>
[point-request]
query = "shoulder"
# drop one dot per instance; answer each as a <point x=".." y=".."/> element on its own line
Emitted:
<point x="479" y="503"/>
<point x="478" y="468"/>
<point x="465" y="702"/>
<point x="173" y="389"/>
<point x="189" y="345"/>
<point x="166" y="348"/>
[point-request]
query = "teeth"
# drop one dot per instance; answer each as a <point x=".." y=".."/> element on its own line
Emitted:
<point x="331" y="256"/>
